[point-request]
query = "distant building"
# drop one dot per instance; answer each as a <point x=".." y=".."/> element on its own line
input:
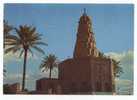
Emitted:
<point x="11" y="88"/>
<point x="86" y="72"/>
<point x="49" y="86"/>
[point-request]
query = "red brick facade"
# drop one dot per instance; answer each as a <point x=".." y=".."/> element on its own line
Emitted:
<point x="49" y="86"/>
<point x="86" y="75"/>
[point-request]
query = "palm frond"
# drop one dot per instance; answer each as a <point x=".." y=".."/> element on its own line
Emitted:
<point x="9" y="50"/>
<point x="38" y="49"/>
<point x="39" y="43"/>
<point x="18" y="32"/>
<point x="33" y="30"/>
<point x="117" y="68"/>
<point x="17" y="48"/>
<point x="7" y="28"/>
<point x="30" y="52"/>
<point x="21" y="53"/>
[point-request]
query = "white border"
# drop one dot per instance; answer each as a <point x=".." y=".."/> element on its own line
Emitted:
<point x="69" y="1"/>
<point x="1" y="47"/>
<point x="68" y="97"/>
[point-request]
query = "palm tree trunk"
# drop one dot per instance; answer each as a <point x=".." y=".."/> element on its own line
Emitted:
<point x="50" y="73"/>
<point x="24" y="70"/>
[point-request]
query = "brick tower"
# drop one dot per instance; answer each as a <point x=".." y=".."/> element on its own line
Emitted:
<point x="85" y="43"/>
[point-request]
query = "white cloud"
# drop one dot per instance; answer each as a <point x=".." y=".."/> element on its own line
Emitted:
<point x="121" y="55"/>
<point x="15" y="57"/>
<point x="15" y="77"/>
<point x="126" y="60"/>
<point x="9" y="57"/>
<point x="124" y="82"/>
<point x="124" y="86"/>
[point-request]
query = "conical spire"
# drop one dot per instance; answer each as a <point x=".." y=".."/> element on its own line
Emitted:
<point x="85" y="43"/>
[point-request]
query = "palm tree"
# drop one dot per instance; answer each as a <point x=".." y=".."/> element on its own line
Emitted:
<point x="7" y="37"/>
<point x="4" y="72"/>
<point x="101" y="55"/>
<point x="25" y="40"/>
<point x="117" y="68"/>
<point x="48" y="63"/>
<point x="7" y="29"/>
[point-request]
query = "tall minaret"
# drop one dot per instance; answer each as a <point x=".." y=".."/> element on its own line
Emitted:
<point x="85" y="43"/>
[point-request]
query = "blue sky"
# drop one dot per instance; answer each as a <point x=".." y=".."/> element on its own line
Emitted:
<point x="112" y="25"/>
